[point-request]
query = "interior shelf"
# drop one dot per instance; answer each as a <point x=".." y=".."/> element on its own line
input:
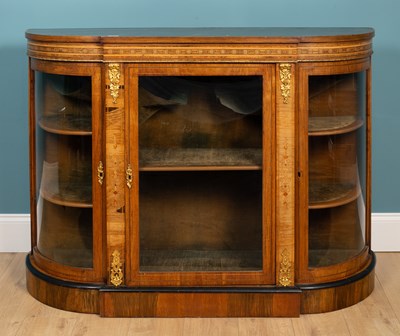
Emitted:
<point x="73" y="191"/>
<point x="68" y="195"/>
<point x="73" y="257"/>
<point x="67" y="125"/>
<point x="321" y="258"/>
<point x="66" y="234"/>
<point x="327" y="194"/>
<point x="335" y="234"/>
<point x="200" y="159"/>
<point x="331" y="125"/>
<point x="199" y="260"/>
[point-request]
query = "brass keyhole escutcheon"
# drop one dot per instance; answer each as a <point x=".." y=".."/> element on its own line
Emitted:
<point x="100" y="173"/>
<point x="129" y="177"/>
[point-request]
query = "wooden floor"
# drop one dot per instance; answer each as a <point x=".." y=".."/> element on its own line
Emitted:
<point x="22" y="315"/>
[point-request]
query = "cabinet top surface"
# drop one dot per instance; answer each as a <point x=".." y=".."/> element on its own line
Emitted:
<point x="198" y="34"/>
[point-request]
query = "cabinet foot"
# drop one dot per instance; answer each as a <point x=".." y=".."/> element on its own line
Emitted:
<point x="332" y="296"/>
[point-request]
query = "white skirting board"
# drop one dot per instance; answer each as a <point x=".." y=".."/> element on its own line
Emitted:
<point x="15" y="232"/>
<point x="385" y="233"/>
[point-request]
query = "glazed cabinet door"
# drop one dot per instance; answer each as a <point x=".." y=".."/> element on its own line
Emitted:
<point x="334" y="158"/>
<point x="67" y="171"/>
<point x="201" y="170"/>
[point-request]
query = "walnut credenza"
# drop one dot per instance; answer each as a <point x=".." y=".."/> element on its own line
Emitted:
<point x="200" y="172"/>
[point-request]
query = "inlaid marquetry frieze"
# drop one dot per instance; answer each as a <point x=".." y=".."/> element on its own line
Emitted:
<point x="328" y="51"/>
<point x="65" y="51"/>
<point x="199" y="52"/>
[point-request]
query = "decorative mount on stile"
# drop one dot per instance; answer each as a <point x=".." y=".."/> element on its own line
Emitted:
<point x="114" y="75"/>
<point x="116" y="273"/>
<point x="285" y="77"/>
<point x="285" y="271"/>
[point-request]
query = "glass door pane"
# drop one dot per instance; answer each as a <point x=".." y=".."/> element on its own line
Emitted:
<point x="64" y="168"/>
<point x="200" y="173"/>
<point x="337" y="167"/>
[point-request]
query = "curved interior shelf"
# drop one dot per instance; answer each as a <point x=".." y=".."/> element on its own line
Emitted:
<point x="331" y="125"/>
<point x="67" y="125"/>
<point x="181" y="159"/>
<point x="73" y="191"/>
<point x="326" y="258"/>
<point x="69" y="196"/>
<point x="66" y="235"/>
<point x="328" y="194"/>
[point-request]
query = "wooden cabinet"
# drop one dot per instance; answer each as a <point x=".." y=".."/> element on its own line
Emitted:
<point x="200" y="172"/>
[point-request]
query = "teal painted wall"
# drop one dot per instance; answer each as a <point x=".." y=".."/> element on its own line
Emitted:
<point x="18" y="15"/>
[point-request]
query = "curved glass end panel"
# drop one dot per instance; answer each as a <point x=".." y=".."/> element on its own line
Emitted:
<point x="63" y="132"/>
<point x="337" y="168"/>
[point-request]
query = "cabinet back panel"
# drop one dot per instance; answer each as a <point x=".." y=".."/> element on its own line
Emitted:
<point x="201" y="210"/>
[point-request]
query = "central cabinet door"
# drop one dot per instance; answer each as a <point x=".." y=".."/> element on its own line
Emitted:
<point x="200" y="171"/>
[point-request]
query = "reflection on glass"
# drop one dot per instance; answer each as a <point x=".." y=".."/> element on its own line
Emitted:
<point x="337" y="168"/>
<point x="200" y="162"/>
<point x="203" y="121"/>
<point x="64" y="168"/>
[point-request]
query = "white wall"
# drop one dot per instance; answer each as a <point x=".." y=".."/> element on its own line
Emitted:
<point x="17" y="16"/>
